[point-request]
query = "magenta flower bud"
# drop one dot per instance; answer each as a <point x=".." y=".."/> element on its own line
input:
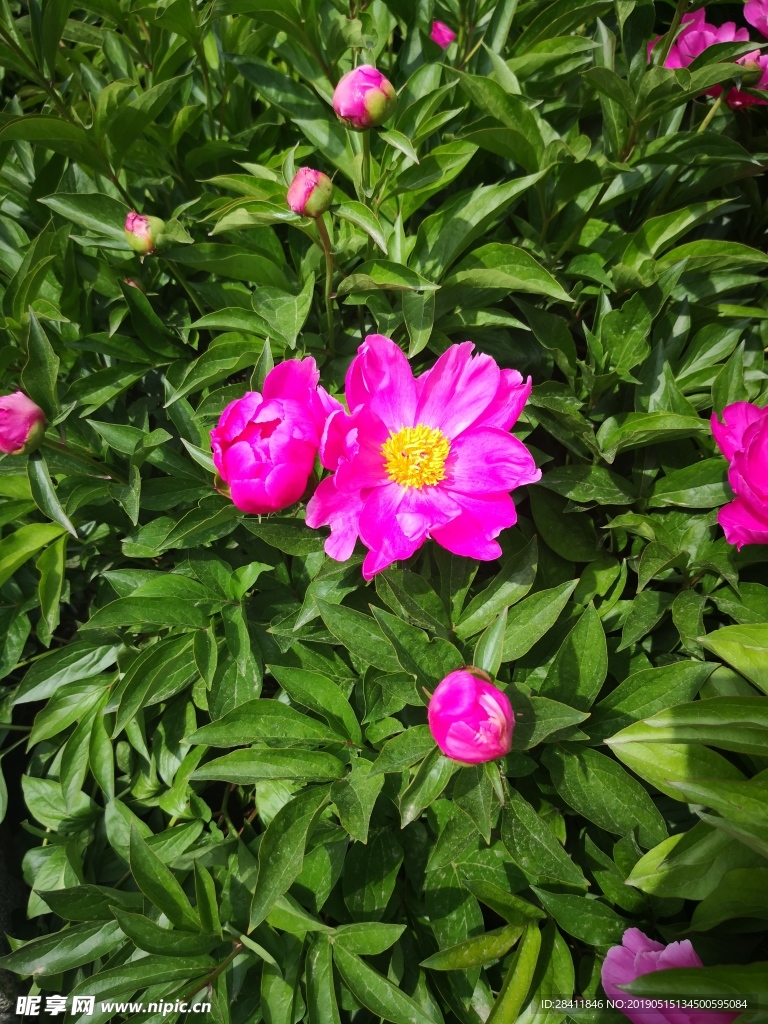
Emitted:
<point x="742" y="437"/>
<point x="264" y="446"/>
<point x="143" y="233"/>
<point x="22" y="424"/>
<point x="311" y="193"/>
<point x="364" y="98"/>
<point x="471" y="719"/>
<point x="442" y="34"/>
<point x="639" y="955"/>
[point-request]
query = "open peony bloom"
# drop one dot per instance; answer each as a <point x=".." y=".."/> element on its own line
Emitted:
<point x="471" y="719"/>
<point x="265" y="444"/>
<point x="756" y="13"/>
<point x="442" y="34"/>
<point x="422" y="457"/>
<point x="695" y="37"/>
<point x="310" y="193"/>
<point x="743" y="439"/>
<point x="22" y="424"/>
<point x="638" y="955"/>
<point x="364" y="98"/>
<point x="142" y="233"/>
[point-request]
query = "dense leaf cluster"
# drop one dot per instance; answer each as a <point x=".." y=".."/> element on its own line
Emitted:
<point x="229" y="787"/>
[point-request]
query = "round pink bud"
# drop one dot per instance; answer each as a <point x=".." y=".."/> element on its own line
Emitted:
<point x="442" y="34"/>
<point x="470" y="718"/>
<point x="364" y="98"/>
<point x="265" y="444"/>
<point x="22" y="424"/>
<point x="142" y="233"/>
<point x="310" y="193"/>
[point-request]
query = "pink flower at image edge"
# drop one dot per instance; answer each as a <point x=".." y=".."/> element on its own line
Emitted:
<point x="265" y="444"/>
<point x="422" y="457"/>
<point x="756" y="13"/>
<point x="470" y="719"/>
<point x="442" y="34"/>
<point x="22" y="424"/>
<point x="696" y="36"/>
<point x="742" y="437"/>
<point x="638" y="955"/>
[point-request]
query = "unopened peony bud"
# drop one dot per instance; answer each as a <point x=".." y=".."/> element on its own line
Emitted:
<point x="471" y="719"/>
<point x="364" y="98"/>
<point x="442" y="34"/>
<point x="310" y="193"/>
<point x="22" y="424"/>
<point x="143" y="233"/>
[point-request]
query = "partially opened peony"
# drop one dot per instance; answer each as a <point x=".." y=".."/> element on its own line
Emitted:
<point x="264" y="446"/>
<point x="743" y="439"/>
<point x="22" y="424"/>
<point x="638" y="955"/>
<point x="470" y="718"/>
<point x="422" y="457"/>
<point x="696" y="36"/>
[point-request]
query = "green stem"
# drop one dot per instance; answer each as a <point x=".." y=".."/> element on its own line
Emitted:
<point x="669" y="38"/>
<point x="711" y="113"/>
<point x="365" y="167"/>
<point x="103" y="471"/>
<point x="322" y="230"/>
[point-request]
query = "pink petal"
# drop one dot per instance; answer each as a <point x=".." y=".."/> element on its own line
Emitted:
<point x="487" y="461"/>
<point x="742" y="524"/>
<point x="472" y="533"/>
<point x="512" y="394"/>
<point x="457" y="389"/>
<point x="736" y="418"/>
<point x="339" y="510"/>
<point x="381" y="378"/>
<point x="293" y="378"/>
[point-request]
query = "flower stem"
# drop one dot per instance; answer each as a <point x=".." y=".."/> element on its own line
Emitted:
<point x="669" y="38"/>
<point x="365" y="167"/>
<point x="711" y="113"/>
<point x="322" y="230"/>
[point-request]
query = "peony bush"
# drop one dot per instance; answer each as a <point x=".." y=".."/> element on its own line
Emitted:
<point x="384" y="511"/>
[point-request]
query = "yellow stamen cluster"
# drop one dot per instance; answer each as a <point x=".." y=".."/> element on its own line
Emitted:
<point x="415" y="456"/>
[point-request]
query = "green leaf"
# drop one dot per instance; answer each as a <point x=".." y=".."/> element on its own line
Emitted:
<point x="585" y="918"/>
<point x="529" y="620"/>
<point x="260" y="721"/>
<point x="518" y="979"/>
<point x="664" y="764"/>
<point x="533" y="847"/>
<point x="44" y="492"/>
<point x="281" y="853"/>
<point x="97" y="213"/>
<point x="320" y="694"/>
<point x="475" y="952"/>
<point x="355" y="797"/>
<point x="600" y="790"/>
<point x="580" y="665"/>
<point x="321" y="995"/>
<point x="369" y="938"/>
<point x="743" y="647"/>
<point x="507" y="268"/>
<point x="19" y="546"/>
<point x="490" y="647"/>
<point x="63" y="951"/>
<point x="404" y="750"/>
<point x="243" y="767"/>
<point x="731" y="723"/>
<point x="507" y="588"/>
<point x="41" y="370"/>
<point x="150" y="937"/>
<point x="159" y="884"/>
<point x="363" y="218"/>
<point x="377" y="993"/>
<point x="361" y="634"/>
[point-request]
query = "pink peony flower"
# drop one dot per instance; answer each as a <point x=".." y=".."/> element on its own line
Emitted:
<point x="22" y="424"/>
<point x="142" y="233"/>
<point x="310" y="193"/>
<point x="471" y="719"/>
<point x="639" y="955"/>
<point x="743" y="439"/>
<point x="424" y="457"/>
<point x="695" y="37"/>
<point x="442" y="34"/>
<point x="364" y="98"/>
<point x="756" y="13"/>
<point x="737" y="98"/>
<point x="265" y="444"/>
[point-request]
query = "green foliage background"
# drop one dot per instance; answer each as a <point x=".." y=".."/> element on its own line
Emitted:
<point x="229" y="787"/>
